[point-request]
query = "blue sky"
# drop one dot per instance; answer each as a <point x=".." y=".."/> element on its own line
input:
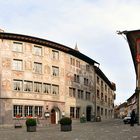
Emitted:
<point x="92" y="24"/>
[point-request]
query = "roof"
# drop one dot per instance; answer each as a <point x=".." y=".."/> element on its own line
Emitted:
<point x="47" y="43"/>
<point x="122" y="105"/>
<point x="102" y="75"/>
<point x="131" y="97"/>
<point x="132" y="37"/>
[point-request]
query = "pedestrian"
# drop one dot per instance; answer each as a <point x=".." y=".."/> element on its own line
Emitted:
<point x="133" y="117"/>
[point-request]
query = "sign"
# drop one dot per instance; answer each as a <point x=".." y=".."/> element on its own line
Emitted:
<point x="47" y="114"/>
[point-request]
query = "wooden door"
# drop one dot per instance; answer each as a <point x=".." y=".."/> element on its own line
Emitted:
<point x="53" y="117"/>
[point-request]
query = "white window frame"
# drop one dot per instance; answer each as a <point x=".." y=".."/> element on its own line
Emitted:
<point x="17" y="64"/>
<point x="55" y="89"/>
<point x="37" y="87"/>
<point x="37" y="50"/>
<point x="28" y="86"/>
<point x="17" y="110"/>
<point x="46" y="88"/>
<point x="17" y="85"/>
<point x="38" y="67"/>
<point x="55" y="71"/>
<point x="55" y="54"/>
<point x="17" y="47"/>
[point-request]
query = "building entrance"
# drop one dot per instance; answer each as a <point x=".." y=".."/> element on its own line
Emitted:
<point x="88" y="113"/>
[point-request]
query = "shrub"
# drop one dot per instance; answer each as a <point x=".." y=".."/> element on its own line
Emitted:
<point x="31" y="122"/>
<point x="82" y="119"/>
<point x="66" y="121"/>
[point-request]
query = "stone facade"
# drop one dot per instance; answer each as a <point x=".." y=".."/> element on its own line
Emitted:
<point x="45" y="80"/>
<point x="105" y="95"/>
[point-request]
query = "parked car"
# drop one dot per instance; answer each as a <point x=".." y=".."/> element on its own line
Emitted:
<point x="126" y="119"/>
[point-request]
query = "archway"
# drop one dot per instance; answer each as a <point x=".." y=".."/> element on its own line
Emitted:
<point x="55" y="115"/>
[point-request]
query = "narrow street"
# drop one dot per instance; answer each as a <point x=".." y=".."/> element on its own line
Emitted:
<point x="105" y="130"/>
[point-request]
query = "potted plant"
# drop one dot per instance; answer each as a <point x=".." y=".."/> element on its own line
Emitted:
<point x="82" y="119"/>
<point x="66" y="124"/>
<point x="31" y="125"/>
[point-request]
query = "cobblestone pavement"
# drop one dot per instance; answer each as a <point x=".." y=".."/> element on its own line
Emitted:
<point x="105" y="130"/>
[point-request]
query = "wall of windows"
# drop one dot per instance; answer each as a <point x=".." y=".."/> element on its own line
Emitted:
<point x="75" y="112"/>
<point x="27" y="111"/>
<point x="38" y="87"/>
<point x="79" y="94"/>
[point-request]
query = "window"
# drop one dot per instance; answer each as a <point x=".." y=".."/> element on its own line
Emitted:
<point x="88" y="96"/>
<point x="37" y="50"/>
<point x="72" y="92"/>
<point x="37" y="67"/>
<point x="106" y="112"/>
<point x="80" y="94"/>
<point x="46" y="88"/>
<point x="76" y="78"/>
<point x="77" y="63"/>
<point x="106" y="98"/>
<point x="98" y="80"/>
<point x="55" y="89"/>
<point x="86" y="81"/>
<point x="17" y="47"/>
<point x="98" y="94"/>
<point x="102" y="84"/>
<point x="28" y="86"/>
<point x="17" y="85"/>
<point x="37" y="87"/>
<point x="108" y="101"/>
<point x="72" y="112"/>
<point x="17" y="64"/>
<point x="102" y="96"/>
<point x="55" y="54"/>
<point x="55" y="71"/>
<point x="17" y="110"/>
<point x="87" y="67"/>
<point x="38" y="111"/>
<point x="77" y="112"/>
<point x="105" y="87"/>
<point x="102" y="111"/>
<point x="72" y="61"/>
<point x="28" y="111"/>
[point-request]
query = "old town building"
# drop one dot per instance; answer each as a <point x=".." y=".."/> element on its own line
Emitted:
<point x="44" y="79"/>
<point x="133" y="38"/>
<point x="105" y="95"/>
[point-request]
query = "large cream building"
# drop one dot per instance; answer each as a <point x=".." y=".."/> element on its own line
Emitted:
<point x="44" y="79"/>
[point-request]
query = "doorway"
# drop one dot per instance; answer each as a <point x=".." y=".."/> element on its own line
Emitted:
<point x="88" y="113"/>
<point x="55" y="115"/>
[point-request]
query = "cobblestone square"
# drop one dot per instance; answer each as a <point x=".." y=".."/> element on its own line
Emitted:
<point x="105" y="130"/>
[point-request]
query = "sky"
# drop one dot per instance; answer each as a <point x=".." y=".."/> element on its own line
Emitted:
<point x="92" y="24"/>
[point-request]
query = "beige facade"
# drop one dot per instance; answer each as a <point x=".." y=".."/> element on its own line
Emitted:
<point x="39" y="79"/>
<point x="44" y="79"/>
<point x="105" y="95"/>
